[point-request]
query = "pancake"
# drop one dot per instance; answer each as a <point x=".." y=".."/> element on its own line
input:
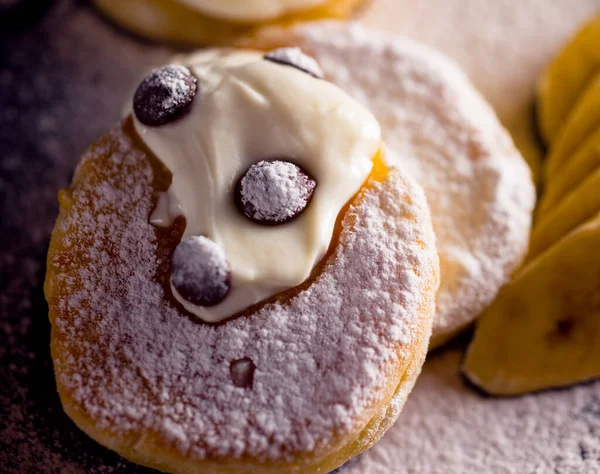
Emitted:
<point x="175" y="21"/>
<point x="298" y="383"/>
<point x="440" y="130"/>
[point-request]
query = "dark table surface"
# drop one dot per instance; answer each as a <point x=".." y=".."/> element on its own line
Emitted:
<point x="64" y="76"/>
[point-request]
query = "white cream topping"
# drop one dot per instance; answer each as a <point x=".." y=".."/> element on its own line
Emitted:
<point x="250" y="10"/>
<point x="248" y="109"/>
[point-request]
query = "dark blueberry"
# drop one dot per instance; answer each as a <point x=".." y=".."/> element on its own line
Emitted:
<point x="200" y="272"/>
<point x="274" y="192"/>
<point x="296" y="58"/>
<point x="165" y="95"/>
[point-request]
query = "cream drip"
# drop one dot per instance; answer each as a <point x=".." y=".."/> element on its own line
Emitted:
<point x="250" y="10"/>
<point x="248" y="109"/>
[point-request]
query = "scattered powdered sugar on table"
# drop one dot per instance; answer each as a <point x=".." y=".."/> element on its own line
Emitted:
<point x="447" y="427"/>
<point x="321" y="359"/>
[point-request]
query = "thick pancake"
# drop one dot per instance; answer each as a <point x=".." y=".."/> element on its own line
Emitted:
<point x="443" y="132"/>
<point x="335" y="358"/>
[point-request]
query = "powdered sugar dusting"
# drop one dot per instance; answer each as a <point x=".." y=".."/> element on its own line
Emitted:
<point x="275" y="191"/>
<point x="478" y="187"/>
<point x="134" y="362"/>
<point x="172" y="79"/>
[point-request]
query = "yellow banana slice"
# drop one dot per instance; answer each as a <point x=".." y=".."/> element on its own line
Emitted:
<point x="580" y="205"/>
<point x="543" y="330"/>
<point x="566" y="77"/>
<point x="583" y="163"/>
<point x="580" y="123"/>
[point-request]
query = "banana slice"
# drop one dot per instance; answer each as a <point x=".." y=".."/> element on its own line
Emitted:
<point x="543" y="330"/>
<point x="580" y="123"/>
<point x="566" y="77"/>
<point x="583" y="162"/>
<point x="577" y="207"/>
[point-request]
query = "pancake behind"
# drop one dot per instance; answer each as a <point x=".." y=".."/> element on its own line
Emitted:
<point x="441" y="130"/>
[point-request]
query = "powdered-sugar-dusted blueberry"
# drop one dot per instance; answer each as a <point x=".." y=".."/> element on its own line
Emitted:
<point x="165" y="95"/>
<point x="274" y="192"/>
<point x="296" y="58"/>
<point x="200" y="271"/>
